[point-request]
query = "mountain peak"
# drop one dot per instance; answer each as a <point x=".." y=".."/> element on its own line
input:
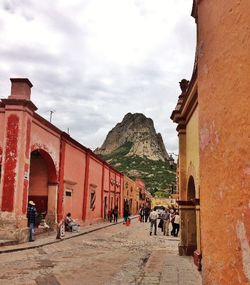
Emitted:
<point x="139" y="131"/>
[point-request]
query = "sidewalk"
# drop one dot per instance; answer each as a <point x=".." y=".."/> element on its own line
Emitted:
<point x="164" y="268"/>
<point x="50" y="237"/>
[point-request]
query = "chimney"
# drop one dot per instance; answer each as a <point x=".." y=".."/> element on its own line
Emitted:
<point x="20" y="89"/>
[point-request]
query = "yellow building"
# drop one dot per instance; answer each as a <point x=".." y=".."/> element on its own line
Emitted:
<point x="131" y="195"/>
<point x="186" y="116"/>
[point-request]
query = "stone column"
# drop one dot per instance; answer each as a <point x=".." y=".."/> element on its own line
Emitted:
<point x="188" y="243"/>
<point x="182" y="187"/>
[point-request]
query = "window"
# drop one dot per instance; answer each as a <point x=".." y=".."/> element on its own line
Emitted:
<point x="68" y="193"/>
<point x="93" y="188"/>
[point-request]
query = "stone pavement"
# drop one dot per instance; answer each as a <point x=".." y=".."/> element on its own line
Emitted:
<point x="164" y="268"/>
<point x="50" y="237"/>
<point x="102" y="254"/>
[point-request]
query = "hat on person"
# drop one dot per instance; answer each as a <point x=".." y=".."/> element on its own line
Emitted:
<point x="32" y="203"/>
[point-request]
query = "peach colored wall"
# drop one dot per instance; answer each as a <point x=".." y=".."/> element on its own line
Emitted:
<point x="106" y="179"/>
<point x="74" y="175"/>
<point x="46" y="139"/>
<point x="224" y="100"/>
<point x="95" y="183"/>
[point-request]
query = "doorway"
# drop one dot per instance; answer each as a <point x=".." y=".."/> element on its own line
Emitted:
<point x="43" y="185"/>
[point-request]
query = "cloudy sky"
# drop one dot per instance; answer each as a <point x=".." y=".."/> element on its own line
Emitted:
<point x="93" y="61"/>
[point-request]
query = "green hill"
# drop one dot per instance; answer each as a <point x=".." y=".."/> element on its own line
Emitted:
<point x="158" y="175"/>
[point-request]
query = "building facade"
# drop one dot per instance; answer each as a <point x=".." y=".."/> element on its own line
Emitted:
<point x="131" y="195"/>
<point x="144" y="195"/>
<point x="215" y="185"/>
<point x="186" y="116"/>
<point x="39" y="162"/>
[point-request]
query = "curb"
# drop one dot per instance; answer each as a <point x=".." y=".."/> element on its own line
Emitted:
<point x="63" y="239"/>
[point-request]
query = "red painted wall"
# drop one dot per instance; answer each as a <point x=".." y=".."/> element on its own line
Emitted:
<point x="10" y="163"/>
<point x="74" y="170"/>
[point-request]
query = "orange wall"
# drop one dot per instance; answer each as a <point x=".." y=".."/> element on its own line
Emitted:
<point x="224" y="100"/>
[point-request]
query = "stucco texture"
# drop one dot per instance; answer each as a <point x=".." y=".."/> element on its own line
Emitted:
<point x="223" y="76"/>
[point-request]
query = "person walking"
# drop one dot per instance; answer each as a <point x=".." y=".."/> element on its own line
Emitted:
<point x="176" y="224"/>
<point x="141" y="213"/>
<point x="31" y="215"/>
<point x="115" y="214"/>
<point x="147" y="213"/>
<point x="126" y="214"/>
<point x="153" y="221"/>
<point x="172" y="217"/>
<point x="110" y="215"/>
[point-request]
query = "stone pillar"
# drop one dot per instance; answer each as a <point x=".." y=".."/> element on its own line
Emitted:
<point x="18" y="112"/>
<point x="188" y="243"/>
<point x="197" y="252"/>
<point x="182" y="165"/>
<point x="182" y="189"/>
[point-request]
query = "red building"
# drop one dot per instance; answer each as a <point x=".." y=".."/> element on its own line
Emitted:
<point x="39" y="162"/>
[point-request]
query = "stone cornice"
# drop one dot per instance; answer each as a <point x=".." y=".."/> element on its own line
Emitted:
<point x="185" y="203"/>
<point x="15" y="102"/>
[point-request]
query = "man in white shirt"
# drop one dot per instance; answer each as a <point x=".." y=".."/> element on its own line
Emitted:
<point x="153" y="221"/>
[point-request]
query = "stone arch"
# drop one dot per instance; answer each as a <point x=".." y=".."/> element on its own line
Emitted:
<point x="192" y="178"/>
<point x="191" y="188"/>
<point x="43" y="184"/>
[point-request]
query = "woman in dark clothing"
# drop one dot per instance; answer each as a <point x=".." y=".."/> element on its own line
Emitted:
<point x="115" y="213"/>
<point x="31" y="215"/>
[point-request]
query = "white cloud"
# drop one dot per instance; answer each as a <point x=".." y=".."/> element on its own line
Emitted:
<point x="93" y="61"/>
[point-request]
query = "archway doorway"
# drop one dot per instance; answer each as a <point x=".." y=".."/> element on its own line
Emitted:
<point x="43" y="185"/>
<point x="191" y="222"/>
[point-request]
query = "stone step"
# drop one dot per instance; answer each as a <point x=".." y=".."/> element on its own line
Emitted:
<point x="4" y="242"/>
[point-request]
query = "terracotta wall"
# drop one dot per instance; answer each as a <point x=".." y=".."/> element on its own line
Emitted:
<point x="1" y="129"/>
<point x="38" y="184"/>
<point x="74" y="176"/>
<point x="42" y="137"/>
<point x="224" y="100"/>
<point x="95" y="185"/>
<point x="64" y="175"/>
<point x="2" y="118"/>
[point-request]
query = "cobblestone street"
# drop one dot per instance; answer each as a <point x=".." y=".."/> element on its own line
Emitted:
<point x="114" y="255"/>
